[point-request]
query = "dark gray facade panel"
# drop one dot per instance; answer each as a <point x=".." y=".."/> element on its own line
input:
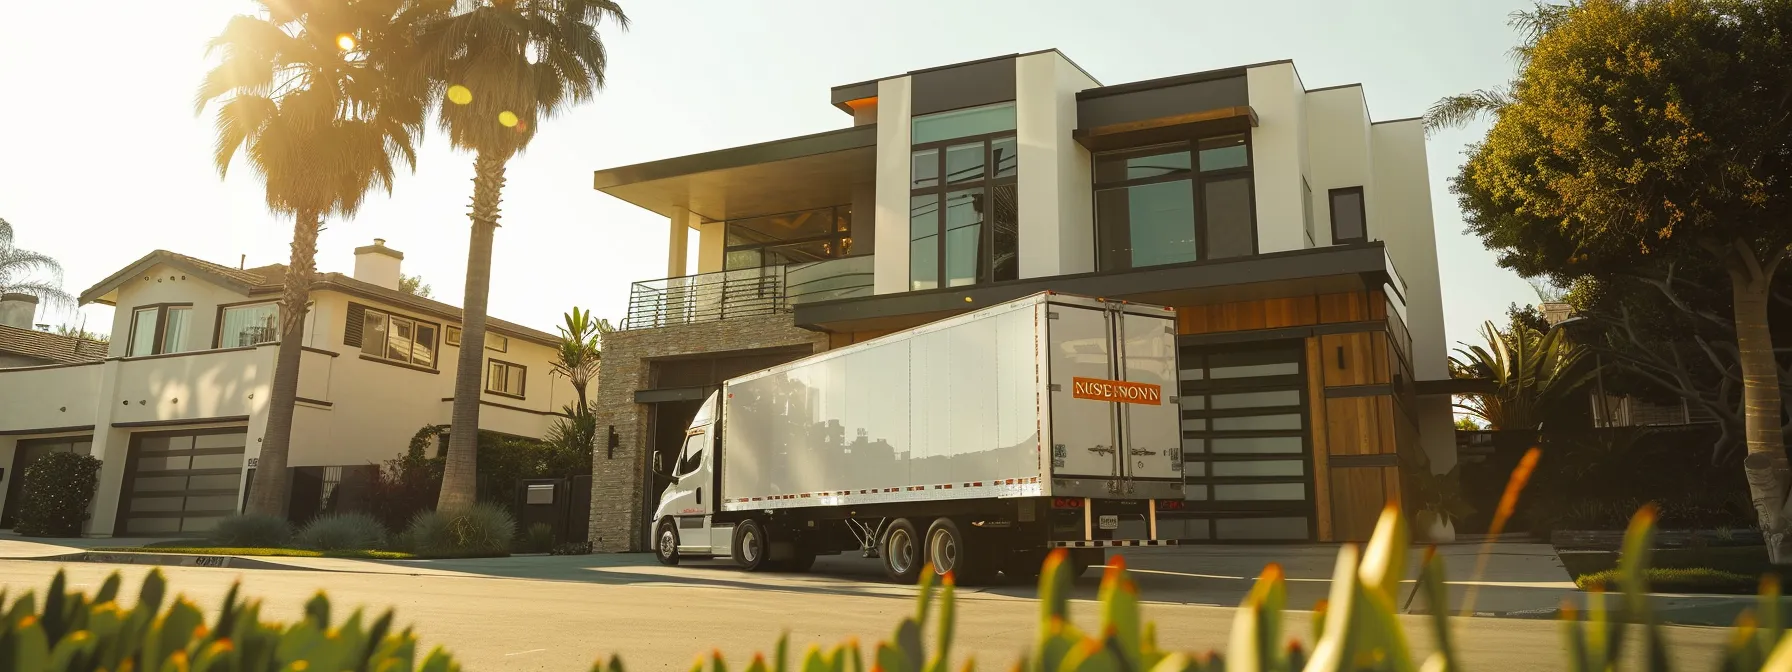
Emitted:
<point x="840" y="140"/>
<point x="968" y="85"/>
<point x="1120" y="108"/>
<point x="846" y="92"/>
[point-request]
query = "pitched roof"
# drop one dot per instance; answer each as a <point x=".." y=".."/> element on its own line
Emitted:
<point x="269" y="280"/>
<point x="52" y="348"/>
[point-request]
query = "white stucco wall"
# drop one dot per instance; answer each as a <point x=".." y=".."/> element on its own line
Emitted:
<point x="166" y="284"/>
<point x="1276" y="148"/>
<point x="1057" y="230"/>
<point x="890" y="268"/>
<point x="1341" y="156"/>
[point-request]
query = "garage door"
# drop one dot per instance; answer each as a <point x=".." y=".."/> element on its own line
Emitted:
<point x="181" y="483"/>
<point x="1247" y="460"/>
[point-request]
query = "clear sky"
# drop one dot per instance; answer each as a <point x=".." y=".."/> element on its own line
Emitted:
<point x="102" y="159"/>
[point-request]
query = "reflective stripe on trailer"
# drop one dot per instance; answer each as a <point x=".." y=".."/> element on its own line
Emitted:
<point x="1106" y="543"/>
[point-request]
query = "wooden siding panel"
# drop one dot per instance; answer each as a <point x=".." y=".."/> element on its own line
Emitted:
<point x="1358" y="494"/>
<point x="1350" y="426"/>
<point x="1317" y="424"/>
<point x="1346" y="307"/>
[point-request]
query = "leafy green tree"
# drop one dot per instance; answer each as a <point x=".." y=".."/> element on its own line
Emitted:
<point x="25" y="272"/>
<point x="414" y="286"/>
<point x="1643" y="133"/>
<point x="503" y="68"/>
<point x="311" y="96"/>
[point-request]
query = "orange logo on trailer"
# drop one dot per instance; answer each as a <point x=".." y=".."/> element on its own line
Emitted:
<point x="1116" y="390"/>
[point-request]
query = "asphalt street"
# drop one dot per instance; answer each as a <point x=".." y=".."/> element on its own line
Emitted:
<point x="559" y="613"/>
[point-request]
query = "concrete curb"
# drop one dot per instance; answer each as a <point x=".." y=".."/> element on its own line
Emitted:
<point x="169" y="560"/>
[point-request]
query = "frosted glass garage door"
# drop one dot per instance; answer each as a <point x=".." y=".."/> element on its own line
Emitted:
<point x="181" y="484"/>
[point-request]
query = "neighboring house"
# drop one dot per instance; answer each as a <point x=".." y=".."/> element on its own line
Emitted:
<point x="1291" y="230"/>
<point x="176" y="409"/>
<point x="1623" y="410"/>
<point x="20" y="345"/>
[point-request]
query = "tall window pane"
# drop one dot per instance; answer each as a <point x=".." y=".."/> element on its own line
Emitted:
<point x="964" y="234"/>
<point x="423" y="353"/>
<point x="373" y="334"/>
<point x="1223" y="153"/>
<point x="964" y="163"/>
<point x="1006" y="222"/>
<point x="924" y="169"/>
<point x="143" y="332"/>
<point x="924" y="241"/>
<point x="1154" y="222"/>
<point x="962" y="123"/>
<point x="1347" y="215"/>
<point x="1227" y="204"/>
<point x="1006" y="157"/>
<point x="249" y="325"/>
<point x="174" y="333"/>
<point x="398" y="339"/>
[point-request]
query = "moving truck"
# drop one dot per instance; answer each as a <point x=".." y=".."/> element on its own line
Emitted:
<point x="973" y="445"/>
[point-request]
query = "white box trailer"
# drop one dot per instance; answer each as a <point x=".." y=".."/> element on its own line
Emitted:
<point x="974" y="444"/>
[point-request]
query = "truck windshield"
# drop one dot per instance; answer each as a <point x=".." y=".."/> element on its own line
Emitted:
<point x="693" y="454"/>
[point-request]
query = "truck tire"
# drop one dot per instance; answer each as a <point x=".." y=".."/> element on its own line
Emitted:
<point x="665" y="543"/>
<point x="751" y="547"/>
<point x="1081" y="559"/>
<point x="949" y="549"/>
<point x="903" y="551"/>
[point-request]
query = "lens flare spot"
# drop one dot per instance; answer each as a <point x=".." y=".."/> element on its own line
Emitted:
<point x="507" y="118"/>
<point x="346" y="42"/>
<point x="460" y="95"/>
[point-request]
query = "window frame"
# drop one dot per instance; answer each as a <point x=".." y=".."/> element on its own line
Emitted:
<point x="1198" y="181"/>
<point x="218" y="320"/>
<point x="508" y="366"/>
<point x="489" y="341"/>
<point x="451" y="335"/>
<point x="987" y="184"/>
<point x="435" y="346"/>
<point x="841" y="241"/>
<point x="157" y="346"/>
<point x="1362" y="206"/>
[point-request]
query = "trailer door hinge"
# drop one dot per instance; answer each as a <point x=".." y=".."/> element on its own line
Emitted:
<point x="1054" y="387"/>
<point x="1051" y="315"/>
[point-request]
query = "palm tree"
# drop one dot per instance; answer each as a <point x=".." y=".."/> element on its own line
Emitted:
<point x="26" y="272"/>
<point x="310" y="95"/>
<point x="503" y="67"/>
<point x="1457" y="110"/>
<point x="581" y="346"/>
<point x="1535" y="375"/>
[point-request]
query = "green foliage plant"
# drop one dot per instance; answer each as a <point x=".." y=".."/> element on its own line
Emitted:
<point x="58" y="489"/>
<point x="251" y="530"/>
<point x="341" y="532"/>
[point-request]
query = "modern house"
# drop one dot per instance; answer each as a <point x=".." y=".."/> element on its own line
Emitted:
<point x="177" y="406"/>
<point x="1290" y="229"/>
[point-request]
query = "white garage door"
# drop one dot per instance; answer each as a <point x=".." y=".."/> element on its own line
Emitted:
<point x="181" y="483"/>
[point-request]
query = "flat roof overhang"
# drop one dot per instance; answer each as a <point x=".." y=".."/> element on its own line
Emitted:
<point x="810" y="171"/>
<point x="1233" y="119"/>
<point x="1323" y="270"/>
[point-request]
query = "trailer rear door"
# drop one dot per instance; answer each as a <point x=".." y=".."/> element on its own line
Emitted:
<point x="1083" y="430"/>
<point x="1152" y="423"/>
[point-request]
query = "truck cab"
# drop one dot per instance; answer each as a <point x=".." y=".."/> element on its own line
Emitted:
<point x="683" y="522"/>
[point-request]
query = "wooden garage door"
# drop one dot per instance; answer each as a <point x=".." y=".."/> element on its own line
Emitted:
<point x="181" y="483"/>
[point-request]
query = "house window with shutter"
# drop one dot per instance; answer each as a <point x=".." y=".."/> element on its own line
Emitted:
<point x="390" y="337"/>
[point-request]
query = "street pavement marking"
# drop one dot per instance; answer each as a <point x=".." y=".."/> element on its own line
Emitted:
<point x="507" y="655"/>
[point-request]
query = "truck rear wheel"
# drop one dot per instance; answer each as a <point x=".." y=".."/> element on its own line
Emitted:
<point x="665" y="543"/>
<point x="751" y="548"/>
<point x="902" y="551"/>
<point x="949" y="549"/>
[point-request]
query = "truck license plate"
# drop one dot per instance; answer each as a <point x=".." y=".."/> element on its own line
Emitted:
<point x="1110" y="522"/>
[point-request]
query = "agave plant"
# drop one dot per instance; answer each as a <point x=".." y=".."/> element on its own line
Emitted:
<point x="1534" y="375"/>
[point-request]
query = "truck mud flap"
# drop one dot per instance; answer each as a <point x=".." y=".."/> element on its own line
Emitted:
<point x="1111" y="543"/>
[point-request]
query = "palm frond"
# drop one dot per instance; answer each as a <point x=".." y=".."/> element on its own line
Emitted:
<point x="49" y="294"/>
<point x="1458" y="110"/>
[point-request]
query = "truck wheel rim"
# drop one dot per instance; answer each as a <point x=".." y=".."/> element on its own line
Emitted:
<point x="668" y="543"/>
<point x="749" y="546"/>
<point x="943" y="550"/>
<point x="901" y="551"/>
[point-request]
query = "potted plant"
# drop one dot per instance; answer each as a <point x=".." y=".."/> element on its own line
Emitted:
<point x="1439" y="504"/>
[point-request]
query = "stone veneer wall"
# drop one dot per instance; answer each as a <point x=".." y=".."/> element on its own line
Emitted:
<point x="616" y="484"/>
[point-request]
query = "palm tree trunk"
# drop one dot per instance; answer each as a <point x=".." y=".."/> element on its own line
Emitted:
<point x="268" y="493"/>
<point x="460" y="479"/>
<point x="1765" y="465"/>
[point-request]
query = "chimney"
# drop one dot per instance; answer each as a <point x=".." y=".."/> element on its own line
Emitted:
<point x="17" y="310"/>
<point x="378" y="264"/>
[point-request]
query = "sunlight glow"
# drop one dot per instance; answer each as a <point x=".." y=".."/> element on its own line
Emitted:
<point x="346" y="42"/>
<point x="460" y="95"/>
<point x="507" y="118"/>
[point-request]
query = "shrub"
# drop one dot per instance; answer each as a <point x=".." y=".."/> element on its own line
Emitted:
<point x="343" y="531"/>
<point x="57" y="491"/>
<point x="484" y="530"/>
<point x="1360" y="626"/>
<point x="539" y="538"/>
<point x="252" y="530"/>
<point x="572" y="548"/>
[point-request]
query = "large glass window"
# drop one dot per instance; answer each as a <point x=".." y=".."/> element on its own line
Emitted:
<point x="159" y="330"/>
<point x="241" y="326"/>
<point x="964" y="225"/>
<point x="505" y="378"/>
<point x="1174" y="203"/>
<point x="398" y="338"/>
<point x="788" y="238"/>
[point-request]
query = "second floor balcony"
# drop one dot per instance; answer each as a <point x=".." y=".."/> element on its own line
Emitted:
<point x="709" y="297"/>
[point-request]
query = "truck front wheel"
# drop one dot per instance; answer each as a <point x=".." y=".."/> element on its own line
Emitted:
<point x="751" y="547"/>
<point x="665" y="543"/>
<point x="901" y="551"/>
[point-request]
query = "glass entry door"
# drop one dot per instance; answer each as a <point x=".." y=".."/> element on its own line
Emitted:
<point x="1247" y="460"/>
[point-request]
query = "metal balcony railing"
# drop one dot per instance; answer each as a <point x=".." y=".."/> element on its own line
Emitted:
<point x="711" y="297"/>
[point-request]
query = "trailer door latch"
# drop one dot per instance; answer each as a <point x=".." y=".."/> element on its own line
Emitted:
<point x="1142" y="451"/>
<point x="1103" y="450"/>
